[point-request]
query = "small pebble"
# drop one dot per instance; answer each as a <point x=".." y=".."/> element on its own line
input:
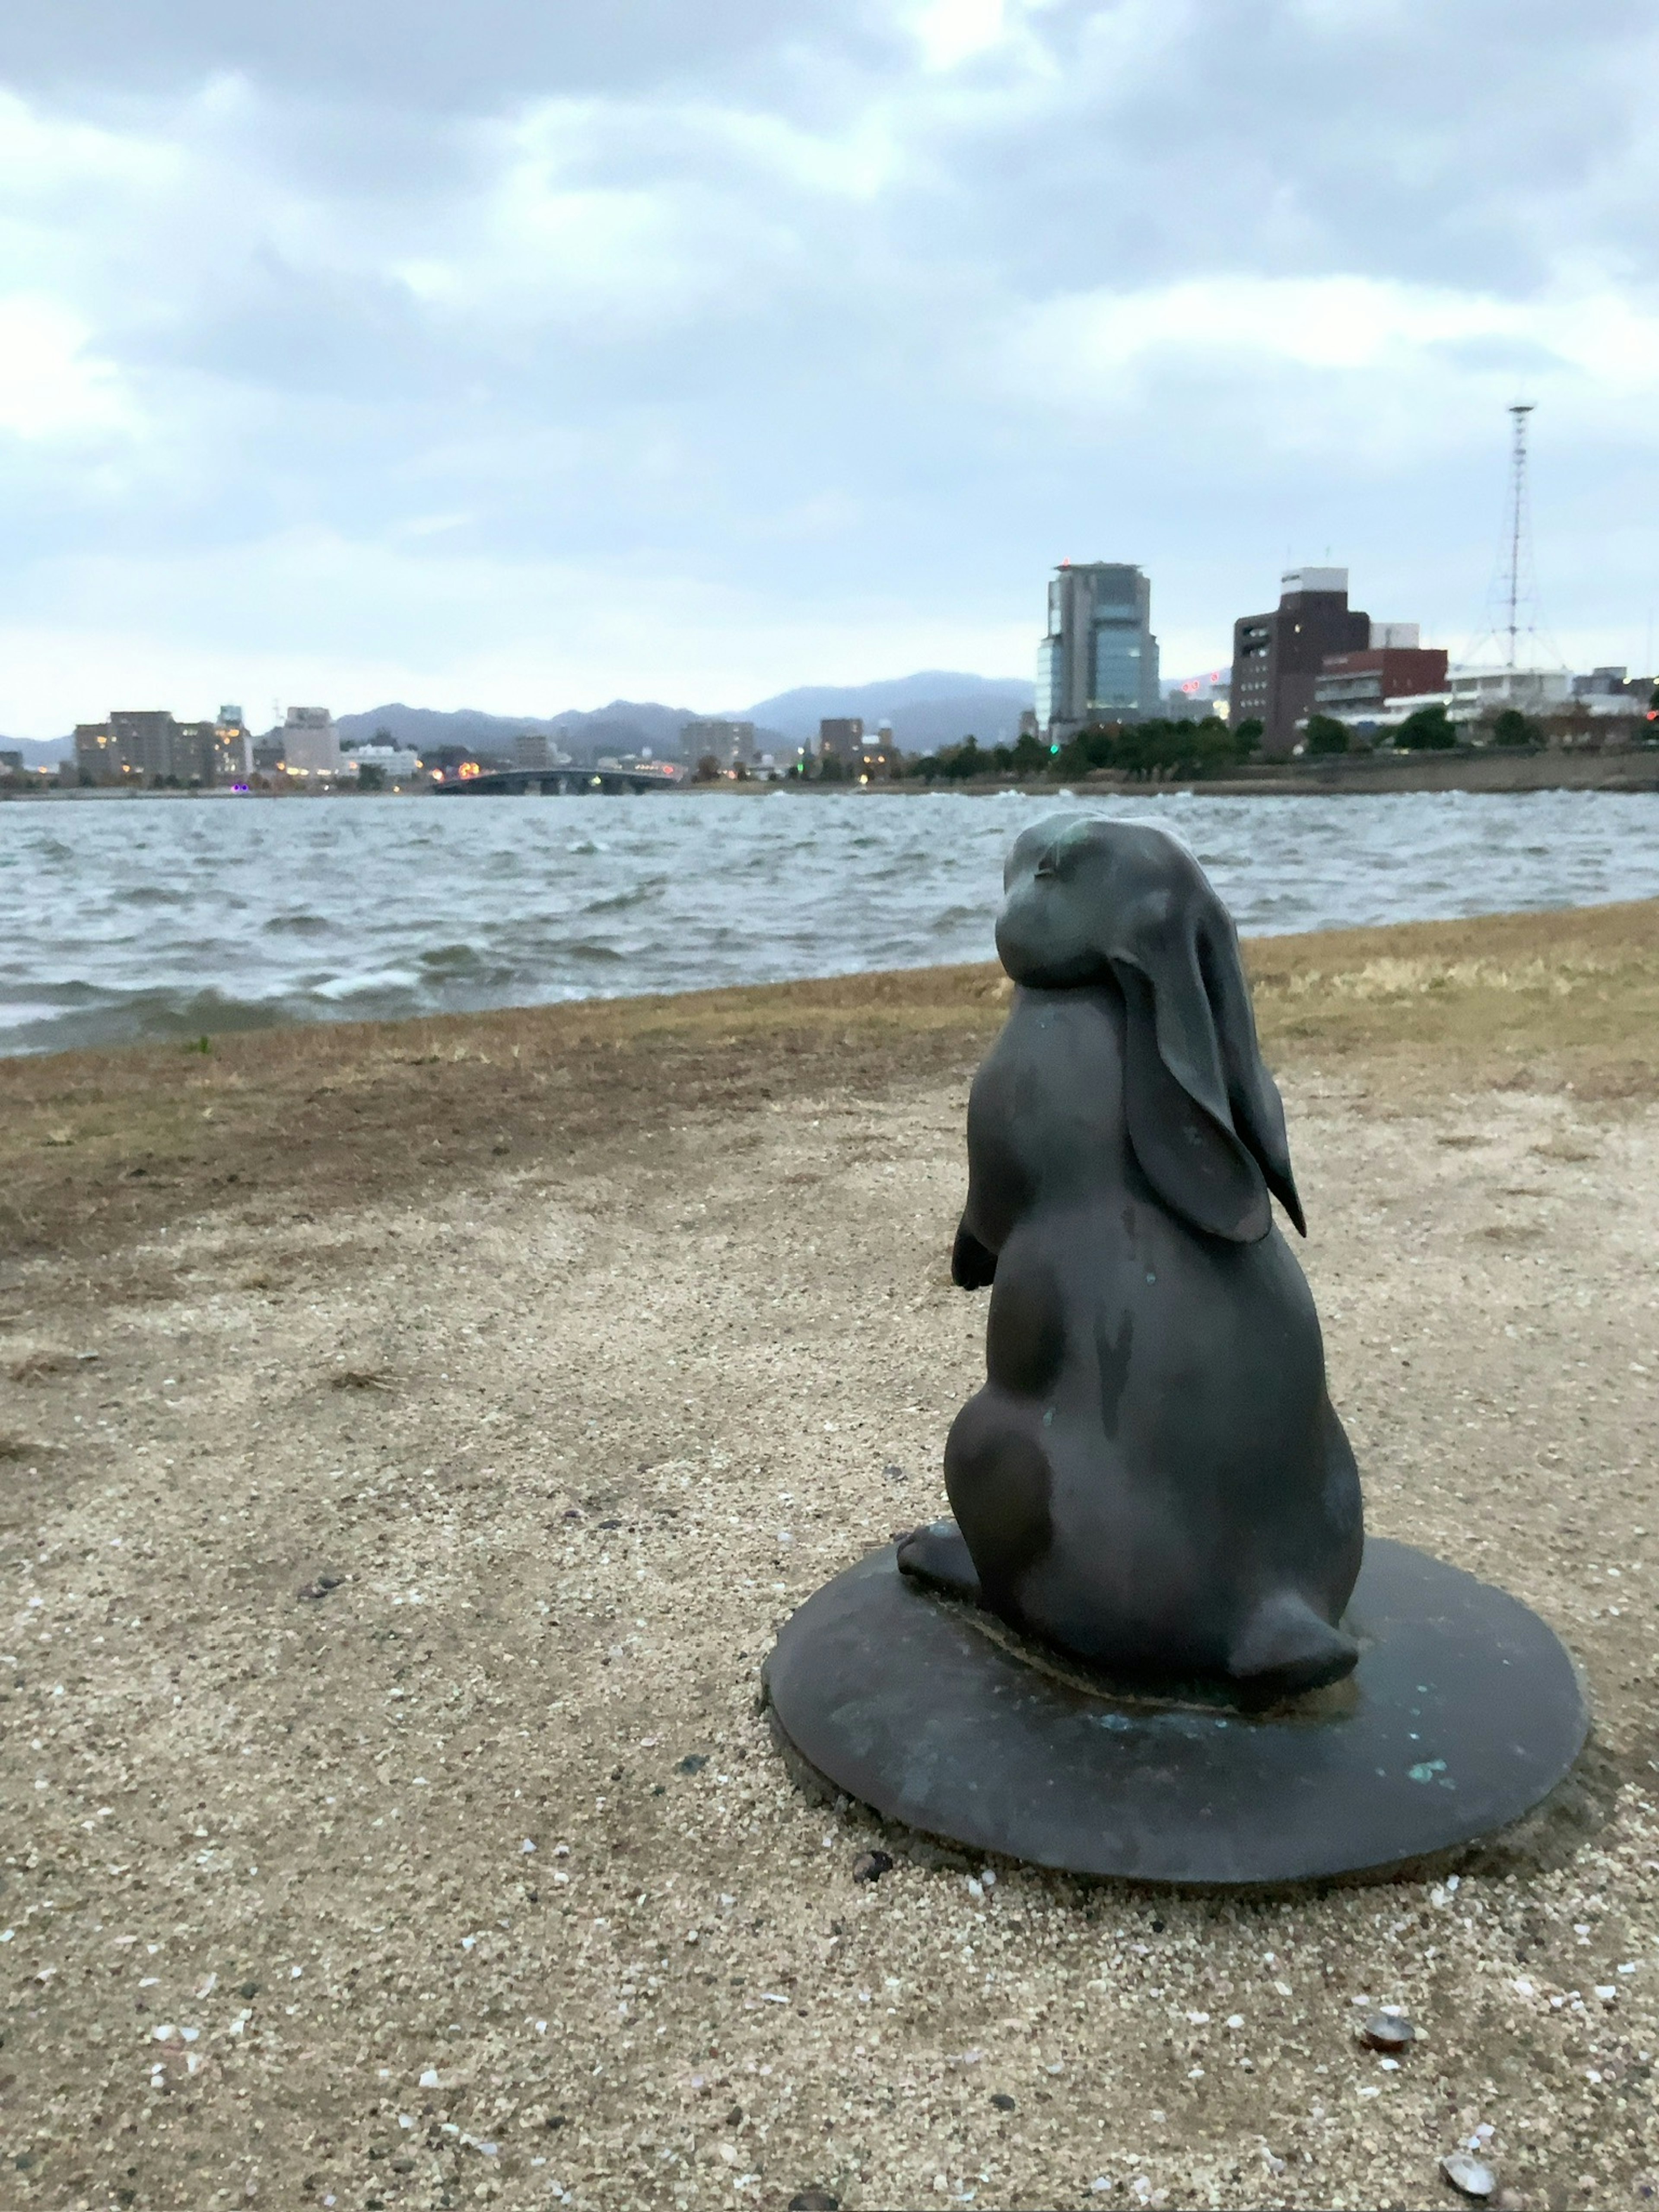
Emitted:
<point x="1388" y="2030"/>
<point x="1467" y="2174"/>
<point x="870" y="1866"/>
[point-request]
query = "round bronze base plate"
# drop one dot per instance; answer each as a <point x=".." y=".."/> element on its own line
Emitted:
<point x="1463" y="1713"/>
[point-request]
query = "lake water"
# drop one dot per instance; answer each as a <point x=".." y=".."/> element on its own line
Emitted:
<point x="166" y="918"/>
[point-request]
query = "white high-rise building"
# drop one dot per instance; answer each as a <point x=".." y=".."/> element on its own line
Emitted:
<point x="311" y="743"/>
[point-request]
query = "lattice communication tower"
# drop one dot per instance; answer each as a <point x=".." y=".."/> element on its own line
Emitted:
<point x="1520" y="519"/>
<point x="1513" y="617"/>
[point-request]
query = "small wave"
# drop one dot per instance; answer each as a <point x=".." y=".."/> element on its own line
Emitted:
<point x="460" y="959"/>
<point x="297" y="924"/>
<point x="151" y="895"/>
<point x="588" y="845"/>
<point x="70" y="991"/>
<point x="148" y="1017"/>
<point x="361" y="987"/>
<point x="960" y="917"/>
<point x="636" y="895"/>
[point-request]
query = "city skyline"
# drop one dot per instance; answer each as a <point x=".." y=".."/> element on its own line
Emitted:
<point x="543" y="359"/>
<point x="930" y="690"/>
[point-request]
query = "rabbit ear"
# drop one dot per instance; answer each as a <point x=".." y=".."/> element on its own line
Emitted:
<point x="1204" y="1116"/>
<point x="1258" y="1110"/>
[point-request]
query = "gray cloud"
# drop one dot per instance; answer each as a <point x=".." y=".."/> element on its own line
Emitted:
<point x="428" y="54"/>
<point x="358" y="345"/>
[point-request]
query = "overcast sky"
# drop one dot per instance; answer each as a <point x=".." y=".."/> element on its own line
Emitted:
<point x="527" y="353"/>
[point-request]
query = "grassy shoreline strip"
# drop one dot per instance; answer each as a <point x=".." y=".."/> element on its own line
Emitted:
<point x="107" y="1146"/>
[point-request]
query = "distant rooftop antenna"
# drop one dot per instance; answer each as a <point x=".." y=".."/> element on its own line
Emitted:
<point x="1513" y="617"/>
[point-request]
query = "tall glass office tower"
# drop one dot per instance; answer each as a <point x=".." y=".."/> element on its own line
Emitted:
<point x="1098" y="662"/>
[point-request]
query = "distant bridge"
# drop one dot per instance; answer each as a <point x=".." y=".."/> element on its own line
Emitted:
<point x="559" y="782"/>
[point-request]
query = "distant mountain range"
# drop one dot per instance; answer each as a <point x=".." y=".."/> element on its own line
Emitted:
<point x="40" y="752"/>
<point x="625" y="725"/>
<point x="935" y="707"/>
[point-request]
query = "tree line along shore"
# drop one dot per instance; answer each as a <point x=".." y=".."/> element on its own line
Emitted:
<point x="1467" y="768"/>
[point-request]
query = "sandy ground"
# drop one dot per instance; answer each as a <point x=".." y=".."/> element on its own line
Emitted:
<point x="472" y="1874"/>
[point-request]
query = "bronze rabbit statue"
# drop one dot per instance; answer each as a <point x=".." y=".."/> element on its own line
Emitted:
<point x="1154" y="1478"/>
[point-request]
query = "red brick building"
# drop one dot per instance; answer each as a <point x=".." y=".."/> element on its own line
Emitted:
<point x="1350" y="683"/>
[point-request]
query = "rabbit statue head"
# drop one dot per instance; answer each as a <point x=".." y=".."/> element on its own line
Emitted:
<point x="1088" y="898"/>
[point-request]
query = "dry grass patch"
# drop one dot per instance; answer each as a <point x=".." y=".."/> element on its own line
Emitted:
<point x="1515" y="1000"/>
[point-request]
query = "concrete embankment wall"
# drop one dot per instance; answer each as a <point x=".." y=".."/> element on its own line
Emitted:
<point x="1635" y="770"/>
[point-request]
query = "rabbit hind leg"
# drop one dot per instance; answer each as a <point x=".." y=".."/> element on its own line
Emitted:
<point x="1284" y="1647"/>
<point x="998" y="1476"/>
